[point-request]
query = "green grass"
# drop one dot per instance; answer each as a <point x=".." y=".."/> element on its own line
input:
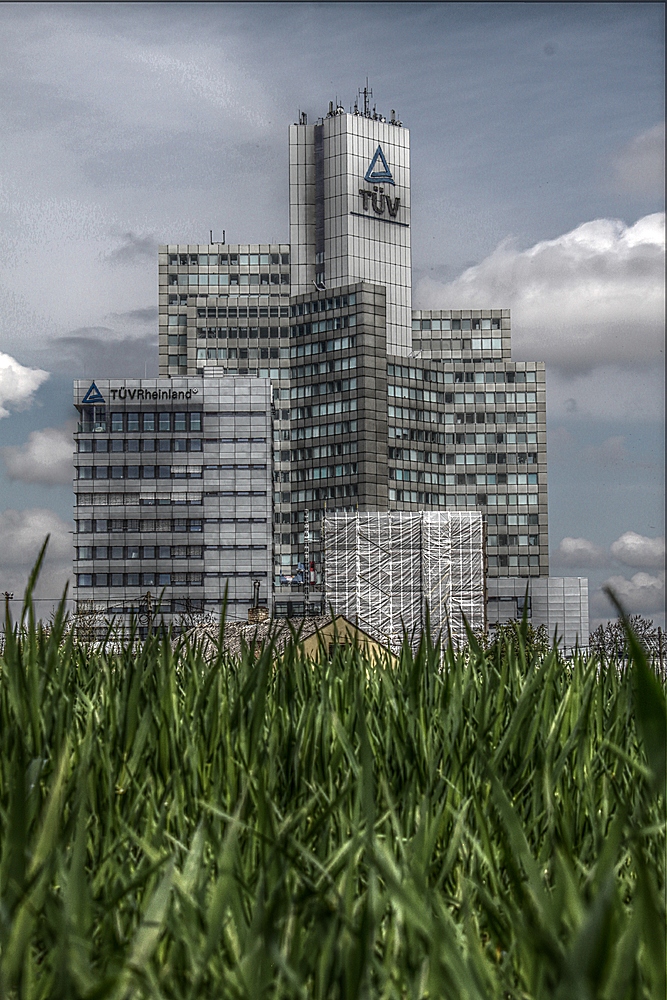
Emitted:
<point x="273" y="827"/>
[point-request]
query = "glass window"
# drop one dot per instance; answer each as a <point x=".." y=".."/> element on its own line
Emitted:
<point x="164" y="444"/>
<point x="85" y="579"/>
<point x="133" y="472"/>
<point x="85" y="446"/>
<point x="117" y="423"/>
<point x="148" y="471"/>
<point x="149" y="552"/>
<point x="116" y="579"/>
<point x="132" y="579"/>
<point x="149" y="421"/>
<point x="133" y="422"/>
<point x="195" y="421"/>
<point x="132" y="445"/>
<point x="180" y="444"/>
<point x="164" y="579"/>
<point x="148" y="444"/>
<point x="180" y="422"/>
<point x="148" y="579"/>
<point x="101" y="580"/>
<point x="116" y="552"/>
<point x="133" y="552"/>
<point x="164" y="421"/>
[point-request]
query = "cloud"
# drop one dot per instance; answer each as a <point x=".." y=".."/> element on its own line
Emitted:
<point x="592" y="296"/>
<point x="102" y="352"/>
<point x="579" y="552"/>
<point x="639" y="551"/>
<point x="17" y="384"/>
<point x="23" y="533"/>
<point x="640" y="167"/>
<point x="45" y="458"/>
<point x="148" y="314"/>
<point x="607" y="393"/>
<point x="134" y="248"/>
<point x="643" y="594"/>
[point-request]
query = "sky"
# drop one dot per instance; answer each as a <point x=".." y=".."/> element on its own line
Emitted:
<point x="537" y="145"/>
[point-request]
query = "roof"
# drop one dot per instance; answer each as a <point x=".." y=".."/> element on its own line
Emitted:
<point x="280" y="631"/>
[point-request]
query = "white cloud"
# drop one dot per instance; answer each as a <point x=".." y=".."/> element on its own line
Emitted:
<point x="592" y="296"/>
<point x="45" y="458"/>
<point x="23" y="533"/>
<point x="579" y="552"/>
<point x="639" y="551"/>
<point x="642" y="594"/>
<point x="640" y="166"/>
<point x="17" y="384"/>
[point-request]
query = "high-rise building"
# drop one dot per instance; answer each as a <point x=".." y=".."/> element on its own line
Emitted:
<point x="172" y="484"/>
<point x="377" y="406"/>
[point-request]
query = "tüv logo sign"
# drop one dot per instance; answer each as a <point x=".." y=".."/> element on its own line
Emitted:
<point x="93" y="395"/>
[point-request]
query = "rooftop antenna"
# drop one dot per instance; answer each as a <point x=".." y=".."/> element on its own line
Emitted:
<point x="367" y="93"/>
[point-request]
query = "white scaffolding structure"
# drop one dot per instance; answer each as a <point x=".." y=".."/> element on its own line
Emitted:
<point x="382" y="571"/>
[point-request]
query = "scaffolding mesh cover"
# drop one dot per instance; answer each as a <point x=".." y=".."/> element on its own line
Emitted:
<point x="382" y="571"/>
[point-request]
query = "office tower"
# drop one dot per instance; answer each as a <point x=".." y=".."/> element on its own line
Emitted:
<point x="378" y="406"/>
<point x="173" y="495"/>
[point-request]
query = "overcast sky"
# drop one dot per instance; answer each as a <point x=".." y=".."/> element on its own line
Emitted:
<point x="537" y="136"/>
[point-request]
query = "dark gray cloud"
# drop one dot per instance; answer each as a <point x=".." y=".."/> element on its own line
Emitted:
<point x="99" y="352"/>
<point x="133" y="249"/>
<point x="148" y="314"/>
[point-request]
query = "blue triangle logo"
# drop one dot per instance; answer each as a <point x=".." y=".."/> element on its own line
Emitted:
<point x="93" y="395"/>
<point x="378" y="171"/>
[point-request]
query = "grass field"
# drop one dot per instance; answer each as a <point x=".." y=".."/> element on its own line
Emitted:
<point x="487" y="826"/>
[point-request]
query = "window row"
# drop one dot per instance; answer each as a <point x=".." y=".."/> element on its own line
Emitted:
<point x="502" y="520"/>
<point x="236" y="548"/>
<point x="322" y="347"/>
<point x="139" y="552"/>
<point x="162" y="421"/>
<point x="239" y="312"/>
<point x="454" y="501"/>
<point x="462" y="478"/>
<point x="479" y="458"/>
<point x="133" y="445"/>
<point x="138" y="472"/>
<point x="201" y="279"/>
<point x="426" y="375"/>
<point x="322" y="367"/>
<point x="148" y="579"/>
<point x="495" y="561"/>
<point x="323" y="326"/>
<point x="214" y="259"/>
<point x="106" y="525"/>
<point x="136" y="499"/>
<point x="460" y="398"/>
<point x="321" y="451"/>
<point x="437" y="437"/>
<point x="323" y="409"/>
<point x="323" y="430"/>
<point x="324" y="472"/>
<point x="495" y="541"/>
<point x="233" y="353"/>
<point x="456" y="324"/>
<point x="322" y="388"/>
<point x="481" y="417"/>
<point x="240" y="333"/>
<point x="323" y="305"/>
<point x="324" y="493"/>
